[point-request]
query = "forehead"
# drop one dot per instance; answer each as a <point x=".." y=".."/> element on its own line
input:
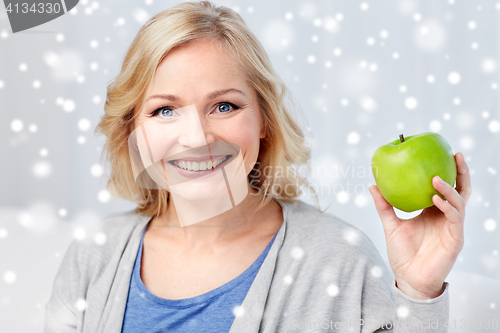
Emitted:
<point x="197" y="67"/>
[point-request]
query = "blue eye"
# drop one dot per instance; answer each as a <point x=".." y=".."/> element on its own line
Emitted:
<point x="165" y="111"/>
<point x="168" y="112"/>
<point x="226" y="107"/>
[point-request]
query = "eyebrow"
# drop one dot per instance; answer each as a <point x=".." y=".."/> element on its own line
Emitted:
<point x="212" y="95"/>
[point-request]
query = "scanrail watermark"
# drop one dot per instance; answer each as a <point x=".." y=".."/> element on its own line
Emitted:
<point x="432" y="324"/>
<point x="26" y="14"/>
<point x="350" y="180"/>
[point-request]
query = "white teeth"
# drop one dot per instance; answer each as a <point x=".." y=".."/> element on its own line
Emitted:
<point x="199" y="166"/>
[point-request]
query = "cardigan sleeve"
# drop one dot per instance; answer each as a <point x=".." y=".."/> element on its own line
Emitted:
<point x="385" y="308"/>
<point x="61" y="311"/>
<point x="418" y="315"/>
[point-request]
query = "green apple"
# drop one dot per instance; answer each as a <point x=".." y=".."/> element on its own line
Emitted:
<point x="403" y="170"/>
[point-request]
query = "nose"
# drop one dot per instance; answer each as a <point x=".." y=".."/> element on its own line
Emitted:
<point x="191" y="130"/>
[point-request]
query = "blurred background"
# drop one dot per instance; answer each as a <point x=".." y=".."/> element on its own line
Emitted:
<point x="362" y="72"/>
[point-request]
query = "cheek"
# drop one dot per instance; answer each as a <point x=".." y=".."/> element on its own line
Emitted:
<point x="245" y="132"/>
<point x="160" y="140"/>
<point x="160" y="145"/>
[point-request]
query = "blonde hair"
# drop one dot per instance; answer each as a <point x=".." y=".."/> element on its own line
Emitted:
<point x="284" y="143"/>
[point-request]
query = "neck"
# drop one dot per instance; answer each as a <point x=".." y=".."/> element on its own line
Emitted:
<point x="228" y="225"/>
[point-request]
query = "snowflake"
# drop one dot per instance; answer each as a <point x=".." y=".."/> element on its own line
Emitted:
<point x="332" y="290"/>
<point x="403" y="312"/>
<point x="297" y="252"/>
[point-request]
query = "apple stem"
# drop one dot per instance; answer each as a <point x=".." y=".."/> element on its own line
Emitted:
<point x="401" y="137"/>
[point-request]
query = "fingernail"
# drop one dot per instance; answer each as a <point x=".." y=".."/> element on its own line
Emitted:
<point x="440" y="180"/>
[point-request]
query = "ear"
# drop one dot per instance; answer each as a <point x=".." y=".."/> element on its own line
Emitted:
<point x="263" y="129"/>
<point x="262" y="122"/>
<point x="262" y="132"/>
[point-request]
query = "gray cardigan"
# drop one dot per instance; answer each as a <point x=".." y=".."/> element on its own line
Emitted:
<point x="321" y="274"/>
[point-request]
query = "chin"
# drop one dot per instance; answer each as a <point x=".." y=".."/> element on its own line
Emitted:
<point x="199" y="190"/>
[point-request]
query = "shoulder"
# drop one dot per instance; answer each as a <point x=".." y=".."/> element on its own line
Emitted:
<point x="100" y="241"/>
<point x="119" y="224"/>
<point x="112" y="228"/>
<point x="91" y="259"/>
<point x="325" y="235"/>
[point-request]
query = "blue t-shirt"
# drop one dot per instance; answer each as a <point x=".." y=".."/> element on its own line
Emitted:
<point x="213" y="311"/>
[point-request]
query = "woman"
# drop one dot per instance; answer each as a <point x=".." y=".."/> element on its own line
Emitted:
<point x="195" y="79"/>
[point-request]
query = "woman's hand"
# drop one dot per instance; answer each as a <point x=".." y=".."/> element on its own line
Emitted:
<point x="422" y="250"/>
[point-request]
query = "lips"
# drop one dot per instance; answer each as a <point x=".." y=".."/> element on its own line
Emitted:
<point x="200" y="164"/>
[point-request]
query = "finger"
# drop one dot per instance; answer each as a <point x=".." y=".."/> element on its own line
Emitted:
<point x="456" y="225"/>
<point x="385" y="211"/>
<point x="455" y="199"/>
<point x="463" y="177"/>
<point x="451" y="213"/>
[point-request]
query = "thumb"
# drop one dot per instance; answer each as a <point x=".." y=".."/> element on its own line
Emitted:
<point x="385" y="211"/>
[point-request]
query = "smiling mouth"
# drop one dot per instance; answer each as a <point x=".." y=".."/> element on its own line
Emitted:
<point x="209" y="164"/>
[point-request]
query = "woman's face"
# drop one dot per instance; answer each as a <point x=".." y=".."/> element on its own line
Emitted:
<point x="199" y="109"/>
